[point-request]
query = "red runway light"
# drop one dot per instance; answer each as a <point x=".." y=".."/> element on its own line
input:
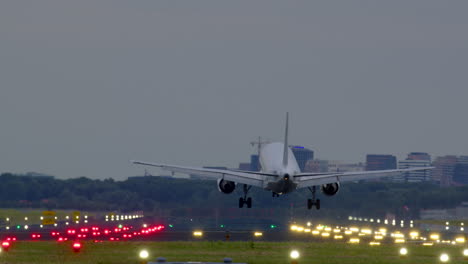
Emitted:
<point x="6" y="245"/>
<point x="76" y="246"/>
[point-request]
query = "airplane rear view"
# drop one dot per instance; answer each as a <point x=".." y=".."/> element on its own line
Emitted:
<point x="280" y="174"/>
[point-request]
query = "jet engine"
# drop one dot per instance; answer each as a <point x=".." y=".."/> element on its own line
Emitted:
<point x="330" y="189"/>
<point x="226" y="187"/>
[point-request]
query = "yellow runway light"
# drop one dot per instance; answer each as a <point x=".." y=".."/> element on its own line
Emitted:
<point x="197" y="233"/>
<point x="354" y="240"/>
<point x="366" y="231"/>
<point x="374" y="243"/>
<point x="258" y="234"/>
<point x="414" y="234"/>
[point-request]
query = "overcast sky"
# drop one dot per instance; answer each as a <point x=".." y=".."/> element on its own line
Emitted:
<point x="85" y="86"/>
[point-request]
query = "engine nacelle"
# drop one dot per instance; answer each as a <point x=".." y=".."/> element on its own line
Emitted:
<point x="226" y="187"/>
<point x="330" y="189"/>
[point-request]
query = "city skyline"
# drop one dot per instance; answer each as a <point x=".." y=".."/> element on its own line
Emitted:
<point x="87" y="86"/>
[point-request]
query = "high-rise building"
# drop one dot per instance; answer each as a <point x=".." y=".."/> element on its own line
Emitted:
<point x="444" y="169"/>
<point x="254" y="163"/>
<point x="413" y="176"/>
<point x="303" y="155"/>
<point x="460" y="173"/>
<point x="380" y="162"/>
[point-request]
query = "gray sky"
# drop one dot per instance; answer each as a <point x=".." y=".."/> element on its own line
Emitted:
<point x="85" y="86"/>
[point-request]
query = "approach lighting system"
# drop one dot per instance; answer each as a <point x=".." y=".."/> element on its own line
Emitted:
<point x="143" y="254"/>
<point x="76" y="247"/>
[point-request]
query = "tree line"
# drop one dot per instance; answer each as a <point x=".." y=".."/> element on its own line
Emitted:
<point x="155" y="193"/>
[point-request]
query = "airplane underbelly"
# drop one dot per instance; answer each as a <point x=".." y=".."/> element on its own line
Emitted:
<point x="282" y="186"/>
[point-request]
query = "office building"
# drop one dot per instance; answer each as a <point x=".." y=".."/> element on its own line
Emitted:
<point x="316" y="166"/>
<point x="419" y="156"/>
<point x="413" y="176"/>
<point x="303" y="155"/>
<point x="380" y="162"/>
<point x="444" y="169"/>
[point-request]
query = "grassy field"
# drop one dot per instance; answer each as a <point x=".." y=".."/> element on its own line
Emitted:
<point x="249" y="252"/>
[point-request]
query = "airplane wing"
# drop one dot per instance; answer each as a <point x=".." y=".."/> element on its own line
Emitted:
<point x="250" y="178"/>
<point x="314" y="179"/>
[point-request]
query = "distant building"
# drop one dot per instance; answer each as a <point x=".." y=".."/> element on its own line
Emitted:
<point x="203" y="177"/>
<point x="444" y="169"/>
<point x="459" y="212"/>
<point x="244" y="166"/>
<point x="316" y="166"/>
<point x="437" y="214"/>
<point x="413" y="176"/>
<point x="302" y="155"/>
<point x="254" y="163"/>
<point x="339" y="166"/>
<point x="380" y="162"/>
<point x="38" y="175"/>
<point x="419" y="156"/>
<point x="460" y="173"/>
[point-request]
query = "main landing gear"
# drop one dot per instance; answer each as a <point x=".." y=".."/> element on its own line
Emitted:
<point x="246" y="200"/>
<point x="313" y="201"/>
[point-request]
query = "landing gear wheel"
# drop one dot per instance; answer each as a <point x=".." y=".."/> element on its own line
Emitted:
<point x="249" y="202"/>
<point x="313" y="201"/>
<point x="241" y="202"/>
<point x="245" y="199"/>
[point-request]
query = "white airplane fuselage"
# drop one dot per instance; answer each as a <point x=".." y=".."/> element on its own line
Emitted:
<point x="271" y="160"/>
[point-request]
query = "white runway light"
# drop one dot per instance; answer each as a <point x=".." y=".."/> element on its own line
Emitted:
<point x="403" y="252"/>
<point x="143" y="254"/>
<point x="444" y="258"/>
<point x="294" y="254"/>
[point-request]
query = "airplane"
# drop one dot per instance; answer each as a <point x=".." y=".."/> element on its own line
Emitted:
<point x="279" y="174"/>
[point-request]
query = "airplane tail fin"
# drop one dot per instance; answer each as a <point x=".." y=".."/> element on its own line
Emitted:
<point x="286" y="147"/>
